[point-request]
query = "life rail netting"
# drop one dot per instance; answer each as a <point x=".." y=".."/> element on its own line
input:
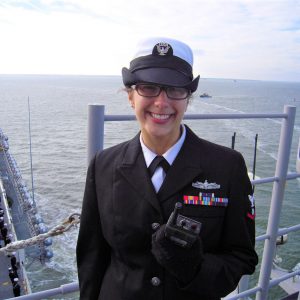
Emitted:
<point x="64" y="226"/>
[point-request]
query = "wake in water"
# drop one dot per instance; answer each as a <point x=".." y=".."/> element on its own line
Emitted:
<point x="249" y="128"/>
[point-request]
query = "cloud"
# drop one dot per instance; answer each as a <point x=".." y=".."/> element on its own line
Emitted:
<point x="232" y="39"/>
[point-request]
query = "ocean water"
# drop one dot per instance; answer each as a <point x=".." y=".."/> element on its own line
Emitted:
<point x="59" y="106"/>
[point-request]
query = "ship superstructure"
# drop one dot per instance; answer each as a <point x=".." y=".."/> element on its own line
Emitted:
<point x="21" y="221"/>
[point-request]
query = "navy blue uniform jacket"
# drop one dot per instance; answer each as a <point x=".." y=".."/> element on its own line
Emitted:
<point x="120" y="205"/>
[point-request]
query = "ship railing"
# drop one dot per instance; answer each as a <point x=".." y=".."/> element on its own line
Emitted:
<point x="19" y="195"/>
<point x="96" y="120"/>
<point x="11" y="176"/>
<point x="5" y="207"/>
<point x="26" y="206"/>
<point x="20" y="255"/>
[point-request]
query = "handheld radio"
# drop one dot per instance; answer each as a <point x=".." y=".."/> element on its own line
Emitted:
<point x="182" y="230"/>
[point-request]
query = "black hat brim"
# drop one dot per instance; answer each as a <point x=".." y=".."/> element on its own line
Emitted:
<point x="162" y="76"/>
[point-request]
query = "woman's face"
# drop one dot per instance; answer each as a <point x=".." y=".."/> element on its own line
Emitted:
<point x="159" y="117"/>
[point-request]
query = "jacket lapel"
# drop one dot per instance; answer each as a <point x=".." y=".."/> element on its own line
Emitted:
<point x="134" y="170"/>
<point x="185" y="168"/>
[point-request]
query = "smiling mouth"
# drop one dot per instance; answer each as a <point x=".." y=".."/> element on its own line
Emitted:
<point x="161" y="116"/>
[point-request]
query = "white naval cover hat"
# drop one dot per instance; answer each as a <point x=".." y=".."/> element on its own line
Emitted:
<point x="162" y="61"/>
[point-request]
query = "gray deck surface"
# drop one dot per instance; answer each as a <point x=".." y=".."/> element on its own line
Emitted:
<point x="6" y="287"/>
<point x="6" y="290"/>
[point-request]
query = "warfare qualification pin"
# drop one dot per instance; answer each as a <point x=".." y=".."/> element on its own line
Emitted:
<point x="206" y="185"/>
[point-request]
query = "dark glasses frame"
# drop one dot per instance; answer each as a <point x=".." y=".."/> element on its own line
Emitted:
<point x="170" y="91"/>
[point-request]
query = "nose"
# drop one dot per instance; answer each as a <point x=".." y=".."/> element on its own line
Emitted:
<point x="162" y="99"/>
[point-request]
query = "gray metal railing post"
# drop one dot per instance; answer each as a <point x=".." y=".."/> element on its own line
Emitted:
<point x="276" y="201"/>
<point x="244" y="285"/>
<point x="95" y="129"/>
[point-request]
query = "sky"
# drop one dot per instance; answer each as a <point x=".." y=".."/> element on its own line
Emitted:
<point x="239" y="39"/>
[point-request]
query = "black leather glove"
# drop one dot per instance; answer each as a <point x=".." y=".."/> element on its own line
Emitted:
<point x="182" y="263"/>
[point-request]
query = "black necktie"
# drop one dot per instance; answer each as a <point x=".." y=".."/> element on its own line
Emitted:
<point x="156" y="162"/>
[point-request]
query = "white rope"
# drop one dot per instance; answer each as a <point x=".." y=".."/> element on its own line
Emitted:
<point x="71" y="221"/>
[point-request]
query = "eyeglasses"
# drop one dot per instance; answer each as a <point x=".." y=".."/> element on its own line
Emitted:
<point x="153" y="90"/>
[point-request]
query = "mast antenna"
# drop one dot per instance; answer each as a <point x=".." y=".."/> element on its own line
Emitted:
<point x="31" y="170"/>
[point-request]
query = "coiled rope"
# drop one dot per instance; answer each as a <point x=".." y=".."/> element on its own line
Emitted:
<point x="66" y="225"/>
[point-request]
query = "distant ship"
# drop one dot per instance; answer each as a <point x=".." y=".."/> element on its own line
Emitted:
<point x="205" y="95"/>
<point x="20" y="220"/>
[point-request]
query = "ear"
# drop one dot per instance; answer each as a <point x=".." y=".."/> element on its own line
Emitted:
<point x="131" y="98"/>
<point x="187" y="104"/>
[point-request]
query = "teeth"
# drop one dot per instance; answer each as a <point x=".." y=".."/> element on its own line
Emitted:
<point x="161" y="117"/>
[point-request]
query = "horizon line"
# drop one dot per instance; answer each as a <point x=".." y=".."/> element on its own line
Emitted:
<point x="114" y="75"/>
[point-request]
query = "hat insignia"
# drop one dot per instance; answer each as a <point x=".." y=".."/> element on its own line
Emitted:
<point x="162" y="48"/>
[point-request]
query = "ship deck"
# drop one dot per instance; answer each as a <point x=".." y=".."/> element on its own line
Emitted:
<point x="5" y="283"/>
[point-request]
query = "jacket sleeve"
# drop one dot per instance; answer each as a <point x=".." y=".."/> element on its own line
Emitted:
<point x="221" y="271"/>
<point x="93" y="252"/>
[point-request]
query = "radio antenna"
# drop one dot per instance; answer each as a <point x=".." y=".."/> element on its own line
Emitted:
<point x="254" y="159"/>
<point x="31" y="170"/>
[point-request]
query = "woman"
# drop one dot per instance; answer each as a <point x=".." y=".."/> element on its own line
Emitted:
<point x="125" y="251"/>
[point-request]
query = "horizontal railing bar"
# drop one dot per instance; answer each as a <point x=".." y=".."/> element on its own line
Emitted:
<point x="272" y="283"/>
<point x="276" y="281"/>
<point x="203" y="116"/>
<point x="233" y="116"/>
<point x="119" y="118"/>
<point x="264" y="180"/>
<point x="290" y="176"/>
<point x="244" y="294"/>
<point x="280" y="232"/>
<point x="63" y="289"/>
<point x="262" y="237"/>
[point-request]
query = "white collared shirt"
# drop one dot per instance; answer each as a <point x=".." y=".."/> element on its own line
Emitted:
<point x="170" y="155"/>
